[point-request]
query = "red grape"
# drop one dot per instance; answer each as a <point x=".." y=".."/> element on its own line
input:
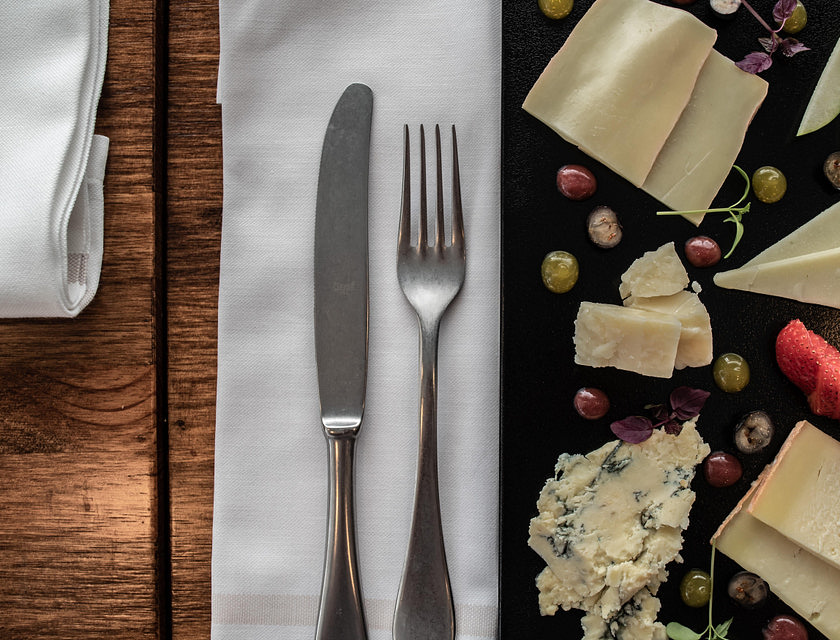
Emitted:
<point x="722" y="469"/>
<point x="785" y="627"/>
<point x="591" y="403"/>
<point x="576" y="182"/>
<point x="702" y="251"/>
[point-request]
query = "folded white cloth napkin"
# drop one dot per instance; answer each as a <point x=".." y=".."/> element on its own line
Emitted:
<point x="52" y="62"/>
<point x="284" y="64"/>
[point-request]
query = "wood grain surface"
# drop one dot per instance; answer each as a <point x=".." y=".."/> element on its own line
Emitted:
<point x="78" y="412"/>
<point x="106" y="420"/>
<point x="193" y="239"/>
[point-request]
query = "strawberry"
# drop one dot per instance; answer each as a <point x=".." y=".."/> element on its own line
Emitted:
<point x="811" y="364"/>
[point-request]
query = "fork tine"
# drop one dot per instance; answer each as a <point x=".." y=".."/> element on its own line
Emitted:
<point x="457" y="212"/>
<point x="440" y="235"/>
<point x="404" y="239"/>
<point x="422" y="237"/>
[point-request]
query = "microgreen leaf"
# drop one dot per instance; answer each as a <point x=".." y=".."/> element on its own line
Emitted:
<point x="783" y="10"/>
<point x="672" y="427"/>
<point x="735" y="211"/>
<point x="659" y="412"/>
<point x="633" y="429"/>
<point x="759" y="61"/>
<point x="755" y="62"/>
<point x="769" y="44"/>
<point x="686" y="402"/>
<point x="677" y="631"/>
<point x="723" y="628"/>
<point x="790" y="47"/>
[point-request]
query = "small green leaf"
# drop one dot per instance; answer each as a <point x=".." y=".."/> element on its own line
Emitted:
<point x="723" y="628"/>
<point x="676" y="631"/>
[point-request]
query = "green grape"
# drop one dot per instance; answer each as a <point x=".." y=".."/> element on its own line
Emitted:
<point x="731" y="372"/>
<point x="696" y="588"/>
<point x="797" y="20"/>
<point x="769" y="184"/>
<point x="560" y="271"/>
<point x="556" y="9"/>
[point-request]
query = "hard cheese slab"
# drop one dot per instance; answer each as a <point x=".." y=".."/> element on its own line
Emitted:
<point x="539" y="375"/>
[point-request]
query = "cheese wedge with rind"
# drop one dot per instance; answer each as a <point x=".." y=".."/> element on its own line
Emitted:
<point x="705" y="142"/>
<point x="810" y="586"/>
<point x="615" y="91"/>
<point x="803" y="266"/>
<point x="798" y="495"/>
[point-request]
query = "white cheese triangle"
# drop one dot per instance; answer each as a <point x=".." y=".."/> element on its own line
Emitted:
<point x="803" y="266"/>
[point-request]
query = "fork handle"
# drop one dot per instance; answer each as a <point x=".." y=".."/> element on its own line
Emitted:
<point x="341" y="616"/>
<point x="424" y="603"/>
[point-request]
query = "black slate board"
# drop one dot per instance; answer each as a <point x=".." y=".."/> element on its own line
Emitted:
<point x="539" y="377"/>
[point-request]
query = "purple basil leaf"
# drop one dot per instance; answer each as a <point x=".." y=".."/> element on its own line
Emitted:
<point x="633" y="429"/>
<point x="673" y="427"/>
<point x="790" y="47"/>
<point x="783" y="10"/>
<point x="686" y="402"/>
<point x="755" y="62"/>
<point x="769" y="44"/>
<point x="659" y="412"/>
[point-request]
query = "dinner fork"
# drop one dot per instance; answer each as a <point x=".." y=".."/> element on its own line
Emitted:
<point x="430" y="278"/>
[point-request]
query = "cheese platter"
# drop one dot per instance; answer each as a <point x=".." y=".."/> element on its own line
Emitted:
<point x="664" y="140"/>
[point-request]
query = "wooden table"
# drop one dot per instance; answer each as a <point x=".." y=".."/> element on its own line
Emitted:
<point x="107" y="420"/>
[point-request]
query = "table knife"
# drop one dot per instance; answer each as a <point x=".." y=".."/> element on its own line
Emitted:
<point x="341" y="342"/>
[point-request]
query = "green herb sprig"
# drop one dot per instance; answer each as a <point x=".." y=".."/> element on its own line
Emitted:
<point x="677" y="631"/>
<point x="736" y="211"/>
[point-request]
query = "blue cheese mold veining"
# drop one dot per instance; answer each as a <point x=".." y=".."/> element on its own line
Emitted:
<point x="609" y="522"/>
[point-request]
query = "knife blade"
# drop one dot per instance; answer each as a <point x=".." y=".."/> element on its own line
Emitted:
<point x="341" y="342"/>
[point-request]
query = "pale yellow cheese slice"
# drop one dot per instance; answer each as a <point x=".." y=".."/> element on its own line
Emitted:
<point x="810" y="586"/>
<point x="695" y="348"/>
<point x="804" y="265"/>
<point x="799" y="496"/>
<point x="619" y="83"/>
<point x="629" y="339"/>
<point x="703" y="146"/>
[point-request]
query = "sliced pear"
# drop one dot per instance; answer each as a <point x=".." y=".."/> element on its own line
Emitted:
<point x="825" y="101"/>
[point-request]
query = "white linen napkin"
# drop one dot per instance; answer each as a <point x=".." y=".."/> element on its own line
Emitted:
<point x="52" y="62"/>
<point x="283" y="66"/>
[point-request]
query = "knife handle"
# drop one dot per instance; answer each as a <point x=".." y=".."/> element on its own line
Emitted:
<point x="341" y="615"/>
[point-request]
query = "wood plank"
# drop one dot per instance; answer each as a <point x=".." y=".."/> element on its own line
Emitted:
<point x="77" y="407"/>
<point x="194" y="197"/>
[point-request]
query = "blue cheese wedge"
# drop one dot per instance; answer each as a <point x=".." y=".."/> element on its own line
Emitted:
<point x="608" y="524"/>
